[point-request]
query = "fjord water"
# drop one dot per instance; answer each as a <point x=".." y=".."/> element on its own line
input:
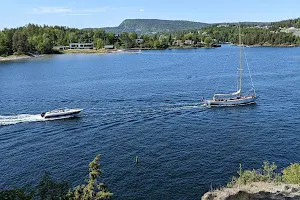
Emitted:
<point x="148" y="105"/>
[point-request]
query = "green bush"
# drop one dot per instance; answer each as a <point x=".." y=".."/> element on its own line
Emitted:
<point x="248" y="176"/>
<point x="291" y="174"/>
<point x="50" y="189"/>
<point x="268" y="171"/>
<point x="16" y="194"/>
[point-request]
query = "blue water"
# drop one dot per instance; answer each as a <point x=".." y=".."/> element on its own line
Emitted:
<point x="148" y="105"/>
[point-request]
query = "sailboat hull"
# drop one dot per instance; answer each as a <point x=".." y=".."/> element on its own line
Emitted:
<point x="231" y="102"/>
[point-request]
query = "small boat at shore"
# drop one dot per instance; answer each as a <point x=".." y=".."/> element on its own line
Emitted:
<point x="65" y="112"/>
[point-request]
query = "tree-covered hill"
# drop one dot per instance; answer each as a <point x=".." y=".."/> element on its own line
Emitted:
<point x="286" y="23"/>
<point x="148" y="26"/>
<point x="251" y="35"/>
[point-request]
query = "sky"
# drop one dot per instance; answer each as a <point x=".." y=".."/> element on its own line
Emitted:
<point x="109" y="13"/>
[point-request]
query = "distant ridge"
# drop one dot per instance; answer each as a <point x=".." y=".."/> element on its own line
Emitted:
<point x="148" y="26"/>
<point x="152" y="26"/>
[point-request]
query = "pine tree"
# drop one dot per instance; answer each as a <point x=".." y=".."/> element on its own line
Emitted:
<point x="92" y="190"/>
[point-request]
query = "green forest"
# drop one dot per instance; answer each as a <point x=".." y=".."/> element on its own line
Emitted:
<point x="35" y="39"/>
<point x="286" y="23"/>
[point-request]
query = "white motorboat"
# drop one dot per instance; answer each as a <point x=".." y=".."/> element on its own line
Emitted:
<point x="235" y="98"/>
<point x="65" y="112"/>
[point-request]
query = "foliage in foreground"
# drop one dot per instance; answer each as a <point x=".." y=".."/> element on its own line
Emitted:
<point x="290" y="175"/>
<point x="93" y="189"/>
<point x="49" y="188"/>
<point x="16" y="194"/>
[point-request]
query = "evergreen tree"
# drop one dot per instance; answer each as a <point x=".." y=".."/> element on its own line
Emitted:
<point x="93" y="190"/>
<point x="4" y="49"/>
<point x="20" y="43"/>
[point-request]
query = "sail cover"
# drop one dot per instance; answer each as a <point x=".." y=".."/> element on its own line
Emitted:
<point x="236" y="93"/>
<point x="232" y="94"/>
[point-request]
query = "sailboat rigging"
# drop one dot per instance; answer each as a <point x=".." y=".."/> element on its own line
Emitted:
<point x="235" y="98"/>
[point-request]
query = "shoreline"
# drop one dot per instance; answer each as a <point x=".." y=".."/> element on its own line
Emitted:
<point x="258" y="45"/>
<point x="105" y="51"/>
<point x="85" y="51"/>
<point x="18" y="57"/>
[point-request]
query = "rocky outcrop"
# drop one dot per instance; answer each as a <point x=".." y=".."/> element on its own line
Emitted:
<point x="255" y="190"/>
<point x="18" y="57"/>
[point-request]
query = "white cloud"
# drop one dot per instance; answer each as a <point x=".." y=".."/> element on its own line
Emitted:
<point x="142" y="10"/>
<point x="69" y="11"/>
<point x="51" y="10"/>
<point x="104" y="9"/>
<point x="80" y="14"/>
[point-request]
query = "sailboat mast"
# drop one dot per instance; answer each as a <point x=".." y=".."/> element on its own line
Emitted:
<point x="241" y="67"/>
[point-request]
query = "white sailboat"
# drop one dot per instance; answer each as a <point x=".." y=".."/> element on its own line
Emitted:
<point x="235" y="98"/>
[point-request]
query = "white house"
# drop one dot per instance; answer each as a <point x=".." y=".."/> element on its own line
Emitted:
<point x="82" y="45"/>
<point x="110" y="46"/>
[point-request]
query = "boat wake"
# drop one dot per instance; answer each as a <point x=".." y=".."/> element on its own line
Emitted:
<point x="21" y="118"/>
<point x="180" y="107"/>
<point x="173" y="107"/>
<point x="15" y="119"/>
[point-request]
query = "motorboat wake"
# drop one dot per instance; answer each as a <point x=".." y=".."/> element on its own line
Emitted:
<point x="45" y="116"/>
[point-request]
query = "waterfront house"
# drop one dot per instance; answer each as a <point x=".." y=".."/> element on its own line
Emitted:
<point x="61" y="47"/>
<point x="82" y="45"/>
<point x="139" y="41"/>
<point x="109" y="46"/>
<point x="189" y="42"/>
<point x="205" y="33"/>
<point x="223" y="25"/>
<point x="177" y="43"/>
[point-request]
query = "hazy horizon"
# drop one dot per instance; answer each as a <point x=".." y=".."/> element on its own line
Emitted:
<point x="91" y="13"/>
<point x="146" y="18"/>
